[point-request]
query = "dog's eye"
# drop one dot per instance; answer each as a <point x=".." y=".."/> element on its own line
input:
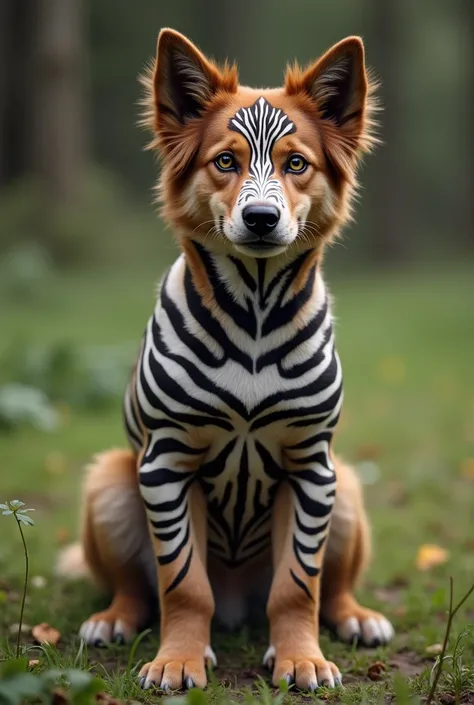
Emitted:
<point x="296" y="164"/>
<point x="225" y="161"/>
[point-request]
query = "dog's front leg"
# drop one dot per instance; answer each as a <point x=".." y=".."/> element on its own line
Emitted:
<point x="177" y="517"/>
<point x="300" y="526"/>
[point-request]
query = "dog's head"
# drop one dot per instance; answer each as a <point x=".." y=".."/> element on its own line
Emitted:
<point x="258" y="171"/>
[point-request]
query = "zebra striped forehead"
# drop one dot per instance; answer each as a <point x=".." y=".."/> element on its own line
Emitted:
<point x="262" y="125"/>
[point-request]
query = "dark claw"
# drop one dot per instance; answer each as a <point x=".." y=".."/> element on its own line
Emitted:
<point x="189" y="683"/>
<point x="119" y="639"/>
<point x="337" y="680"/>
<point x="99" y="643"/>
<point x="141" y="681"/>
<point x="375" y="643"/>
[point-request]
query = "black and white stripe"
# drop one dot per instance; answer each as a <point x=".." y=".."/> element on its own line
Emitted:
<point x="262" y="125"/>
<point x="246" y="380"/>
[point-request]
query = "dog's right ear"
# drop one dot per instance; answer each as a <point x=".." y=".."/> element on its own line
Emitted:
<point x="184" y="80"/>
<point x="179" y="85"/>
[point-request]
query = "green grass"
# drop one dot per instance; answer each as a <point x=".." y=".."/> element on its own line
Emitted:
<point x="407" y="348"/>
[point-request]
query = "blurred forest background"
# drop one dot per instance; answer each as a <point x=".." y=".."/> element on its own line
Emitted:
<point x="81" y="246"/>
<point x="75" y="182"/>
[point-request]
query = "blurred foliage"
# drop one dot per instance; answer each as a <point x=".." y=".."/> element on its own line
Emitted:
<point x="104" y="226"/>
<point x="38" y="383"/>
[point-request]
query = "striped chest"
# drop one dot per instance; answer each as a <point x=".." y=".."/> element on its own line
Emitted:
<point x="236" y="389"/>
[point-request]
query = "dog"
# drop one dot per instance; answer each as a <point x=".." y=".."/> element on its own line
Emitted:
<point x="230" y="492"/>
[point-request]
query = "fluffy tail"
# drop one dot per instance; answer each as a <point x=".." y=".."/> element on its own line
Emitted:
<point x="71" y="563"/>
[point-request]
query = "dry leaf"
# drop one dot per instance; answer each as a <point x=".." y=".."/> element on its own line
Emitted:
<point x="430" y="555"/>
<point x="467" y="469"/>
<point x="63" y="535"/>
<point x="434" y="649"/>
<point x="368" y="451"/>
<point x="107" y="699"/>
<point x="33" y="662"/>
<point x="59" y="697"/>
<point x="44" y="633"/>
<point x="55" y="463"/>
<point x="376" y="670"/>
<point x="391" y="369"/>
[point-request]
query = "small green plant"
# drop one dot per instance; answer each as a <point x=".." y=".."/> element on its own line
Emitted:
<point x="456" y="658"/>
<point x="18" y="510"/>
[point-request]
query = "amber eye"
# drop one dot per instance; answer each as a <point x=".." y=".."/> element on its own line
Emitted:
<point x="296" y="164"/>
<point x="225" y="161"/>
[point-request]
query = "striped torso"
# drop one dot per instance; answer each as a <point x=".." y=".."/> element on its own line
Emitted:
<point x="238" y="383"/>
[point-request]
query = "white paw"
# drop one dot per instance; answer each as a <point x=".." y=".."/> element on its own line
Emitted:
<point x="102" y="633"/>
<point x="269" y="658"/>
<point x="373" y="631"/>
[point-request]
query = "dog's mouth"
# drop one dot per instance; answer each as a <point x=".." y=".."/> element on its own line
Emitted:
<point x="260" y="248"/>
<point x="260" y="245"/>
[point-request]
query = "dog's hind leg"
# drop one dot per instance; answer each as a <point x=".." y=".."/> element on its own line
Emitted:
<point x="116" y="548"/>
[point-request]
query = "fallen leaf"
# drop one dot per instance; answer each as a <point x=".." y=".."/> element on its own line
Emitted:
<point x="33" y="662"/>
<point x="467" y="469"/>
<point x="55" y="463"/>
<point x="396" y="493"/>
<point x="44" y="633"/>
<point x="59" y="697"/>
<point x="63" y="535"/>
<point x="376" y="671"/>
<point x="431" y="555"/>
<point x="106" y="699"/>
<point x="391" y="369"/>
<point x="368" y="451"/>
<point x="434" y="649"/>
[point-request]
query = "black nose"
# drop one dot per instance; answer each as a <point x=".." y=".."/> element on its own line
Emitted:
<point x="261" y="220"/>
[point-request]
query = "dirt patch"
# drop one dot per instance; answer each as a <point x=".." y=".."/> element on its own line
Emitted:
<point x="407" y="663"/>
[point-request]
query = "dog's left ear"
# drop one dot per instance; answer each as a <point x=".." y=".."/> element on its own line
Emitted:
<point x="337" y="82"/>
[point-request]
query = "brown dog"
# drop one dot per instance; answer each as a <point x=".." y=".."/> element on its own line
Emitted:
<point x="229" y="491"/>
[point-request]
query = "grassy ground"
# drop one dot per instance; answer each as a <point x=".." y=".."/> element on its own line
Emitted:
<point x="407" y="347"/>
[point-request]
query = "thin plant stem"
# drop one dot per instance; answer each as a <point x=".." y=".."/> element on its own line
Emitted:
<point x="451" y="615"/>
<point x="25" y="586"/>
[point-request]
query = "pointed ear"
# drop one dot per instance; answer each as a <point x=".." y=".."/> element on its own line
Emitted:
<point x="341" y="92"/>
<point x="184" y="80"/>
<point x="337" y="82"/>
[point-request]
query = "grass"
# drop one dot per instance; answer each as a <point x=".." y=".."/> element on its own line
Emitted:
<point x="407" y="348"/>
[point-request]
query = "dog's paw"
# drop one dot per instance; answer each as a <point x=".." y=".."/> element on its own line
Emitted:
<point x="368" y="628"/>
<point x="306" y="672"/>
<point x="106" y="628"/>
<point x="172" y="671"/>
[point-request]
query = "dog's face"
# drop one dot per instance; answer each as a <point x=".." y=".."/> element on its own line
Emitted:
<point x="258" y="171"/>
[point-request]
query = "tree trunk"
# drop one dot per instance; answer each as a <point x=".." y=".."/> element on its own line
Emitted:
<point x="17" y="22"/>
<point x="58" y="139"/>
<point x="388" y="194"/>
